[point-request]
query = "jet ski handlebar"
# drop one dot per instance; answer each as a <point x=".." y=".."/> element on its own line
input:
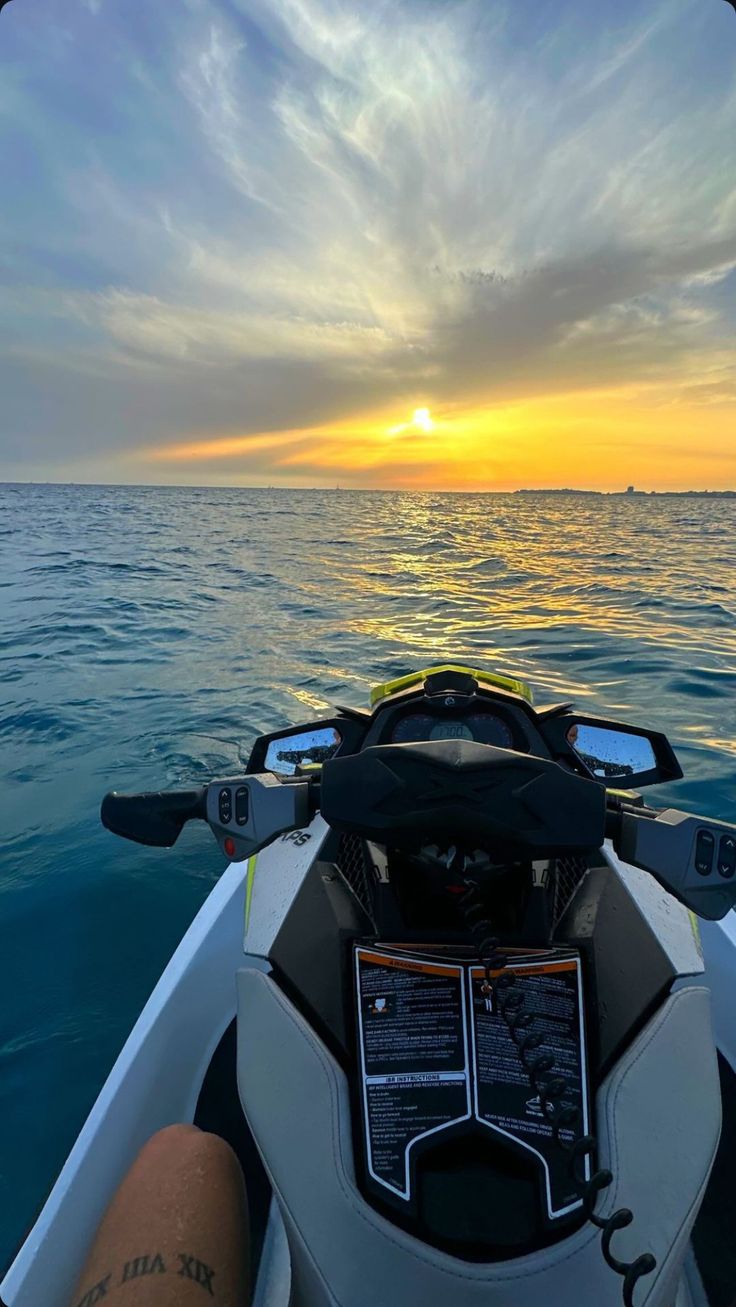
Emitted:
<point x="452" y="792"/>
<point x="245" y="813"/>
<point x="406" y="795"/>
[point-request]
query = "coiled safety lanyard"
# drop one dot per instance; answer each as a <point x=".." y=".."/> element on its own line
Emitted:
<point x="539" y="1066"/>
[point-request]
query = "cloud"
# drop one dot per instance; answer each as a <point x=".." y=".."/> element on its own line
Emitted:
<point x="156" y="330"/>
<point x="306" y="208"/>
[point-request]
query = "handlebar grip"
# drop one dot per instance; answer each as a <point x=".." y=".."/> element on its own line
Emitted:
<point x="156" y="819"/>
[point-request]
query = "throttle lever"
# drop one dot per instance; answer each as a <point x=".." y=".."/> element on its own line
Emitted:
<point x="692" y="858"/>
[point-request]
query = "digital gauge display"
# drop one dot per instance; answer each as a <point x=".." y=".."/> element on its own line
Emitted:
<point x="447" y="730"/>
<point x="484" y="728"/>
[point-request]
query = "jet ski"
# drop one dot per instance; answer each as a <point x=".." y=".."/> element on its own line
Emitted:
<point x="450" y="1006"/>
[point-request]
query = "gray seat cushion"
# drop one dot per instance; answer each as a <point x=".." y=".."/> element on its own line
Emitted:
<point x="658" y="1117"/>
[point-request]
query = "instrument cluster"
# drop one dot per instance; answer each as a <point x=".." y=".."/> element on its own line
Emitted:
<point x="483" y="727"/>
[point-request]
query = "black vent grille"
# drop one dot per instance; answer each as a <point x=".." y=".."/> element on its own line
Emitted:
<point x="568" y="874"/>
<point x="351" y="860"/>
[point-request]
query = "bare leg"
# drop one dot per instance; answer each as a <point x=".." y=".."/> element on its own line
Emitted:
<point x="176" y="1231"/>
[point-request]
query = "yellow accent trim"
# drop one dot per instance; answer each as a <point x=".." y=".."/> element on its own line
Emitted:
<point x="415" y="678"/>
<point x="250" y="877"/>
<point x="695" y="927"/>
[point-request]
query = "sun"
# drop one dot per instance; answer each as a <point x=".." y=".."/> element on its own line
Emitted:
<point x="422" y="418"/>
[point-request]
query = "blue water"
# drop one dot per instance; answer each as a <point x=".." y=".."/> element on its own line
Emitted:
<point x="148" y="634"/>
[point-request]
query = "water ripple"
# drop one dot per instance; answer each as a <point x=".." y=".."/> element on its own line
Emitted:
<point x="148" y="634"/>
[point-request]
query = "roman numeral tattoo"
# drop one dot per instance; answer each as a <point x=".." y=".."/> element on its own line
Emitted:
<point x="146" y="1265"/>
<point x="97" y="1292"/>
<point x="192" y="1269"/>
<point x="152" y="1264"/>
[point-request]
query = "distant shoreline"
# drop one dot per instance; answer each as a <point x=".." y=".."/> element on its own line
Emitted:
<point x="636" y="494"/>
<point x="373" y="490"/>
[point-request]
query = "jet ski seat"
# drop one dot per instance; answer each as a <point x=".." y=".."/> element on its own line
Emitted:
<point x="658" y="1125"/>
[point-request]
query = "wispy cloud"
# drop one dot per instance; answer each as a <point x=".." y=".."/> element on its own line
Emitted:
<point x="302" y="208"/>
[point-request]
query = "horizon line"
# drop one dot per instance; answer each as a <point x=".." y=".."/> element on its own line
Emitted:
<point x="628" y="493"/>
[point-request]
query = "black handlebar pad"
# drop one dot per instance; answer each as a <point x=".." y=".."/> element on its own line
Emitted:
<point x="153" y="818"/>
<point x="458" y="792"/>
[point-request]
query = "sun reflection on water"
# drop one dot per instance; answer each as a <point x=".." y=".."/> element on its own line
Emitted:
<point x="540" y="588"/>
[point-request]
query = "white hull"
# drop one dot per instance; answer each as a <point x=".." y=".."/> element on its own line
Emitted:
<point x="157" y="1077"/>
<point x="155" y="1081"/>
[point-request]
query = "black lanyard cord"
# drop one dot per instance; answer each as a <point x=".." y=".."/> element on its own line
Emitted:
<point x="550" y="1087"/>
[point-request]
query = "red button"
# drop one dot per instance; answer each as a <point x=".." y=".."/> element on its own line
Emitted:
<point x="229" y="846"/>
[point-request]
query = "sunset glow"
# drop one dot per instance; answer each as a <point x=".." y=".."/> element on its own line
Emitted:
<point x="405" y="244"/>
<point x="600" y="439"/>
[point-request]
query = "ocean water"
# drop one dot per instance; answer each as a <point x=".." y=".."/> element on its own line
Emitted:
<point x="147" y="635"/>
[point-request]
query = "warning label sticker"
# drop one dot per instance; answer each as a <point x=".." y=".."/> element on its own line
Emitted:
<point x="414" y="1053"/>
<point x="435" y="1052"/>
<point x="503" y="1097"/>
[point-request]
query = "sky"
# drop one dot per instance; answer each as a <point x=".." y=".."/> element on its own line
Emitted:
<point x="418" y="244"/>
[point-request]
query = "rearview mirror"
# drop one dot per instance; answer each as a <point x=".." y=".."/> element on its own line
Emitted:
<point x="612" y="755"/>
<point x="304" y="749"/>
